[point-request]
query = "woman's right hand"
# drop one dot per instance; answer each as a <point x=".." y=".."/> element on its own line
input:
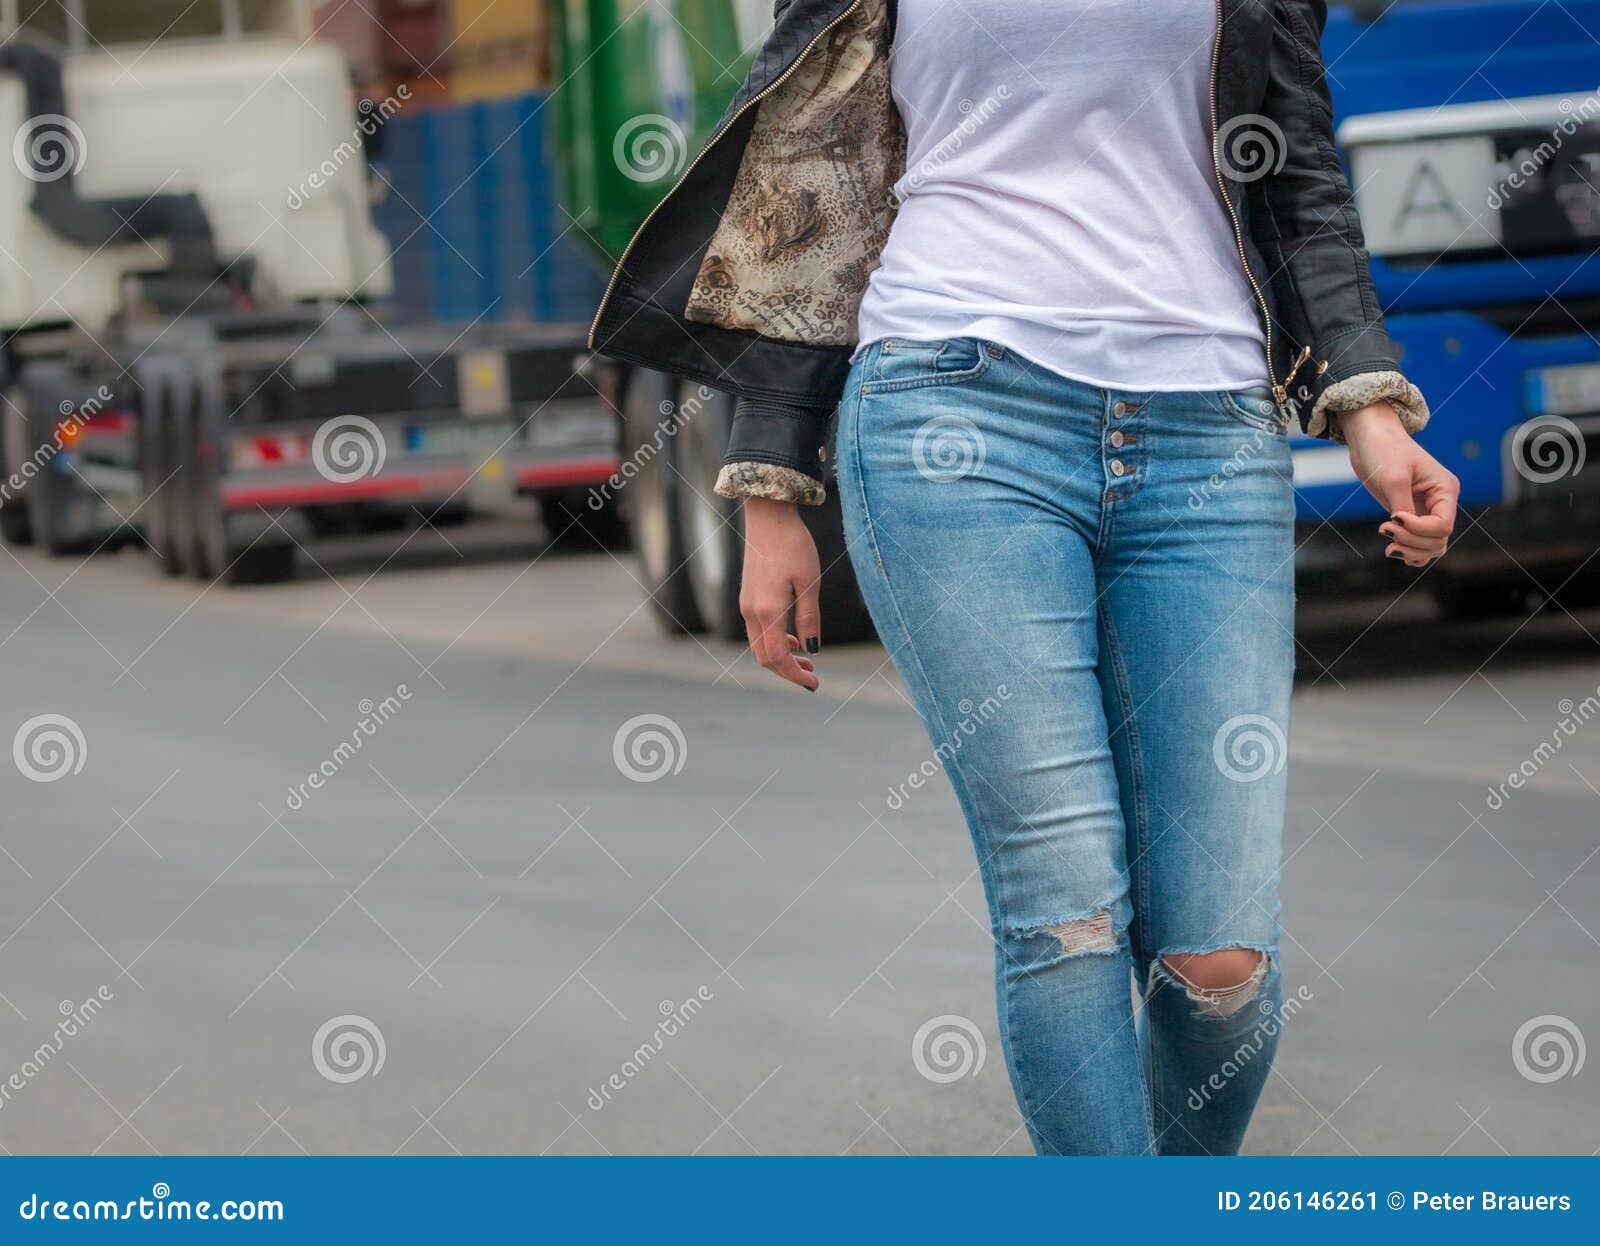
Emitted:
<point x="781" y="573"/>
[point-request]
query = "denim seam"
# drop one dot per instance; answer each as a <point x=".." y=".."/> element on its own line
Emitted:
<point x="929" y="380"/>
<point x="1141" y="911"/>
<point x="1118" y="494"/>
<point x="1002" y="924"/>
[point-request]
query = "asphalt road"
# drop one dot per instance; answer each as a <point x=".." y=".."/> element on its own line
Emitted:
<point x="509" y="918"/>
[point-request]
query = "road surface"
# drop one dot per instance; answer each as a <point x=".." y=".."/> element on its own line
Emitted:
<point x="358" y="864"/>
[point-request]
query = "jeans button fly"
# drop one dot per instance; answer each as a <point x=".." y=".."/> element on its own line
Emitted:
<point x="1117" y="438"/>
<point x="1118" y="467"/>
<point x="1120" y="410"/>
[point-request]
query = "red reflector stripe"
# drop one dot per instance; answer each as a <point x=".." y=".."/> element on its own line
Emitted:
<point x="574" y="472"/>
<point x="310" y="492"/>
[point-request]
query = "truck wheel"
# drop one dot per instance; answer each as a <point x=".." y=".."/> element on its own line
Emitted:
<point x="42" y="384"/>
<point x="713" y="527"/>
<point x="16" y="525"/>
<point x="261" y="564"/>
<point x="164" y="484"/>
<point x="571" y="521"/>
<point x="844" y="614"/>
<point x="206" y="529"/>
<point x="650" y="498"/>
<point x="1469" y="601"/>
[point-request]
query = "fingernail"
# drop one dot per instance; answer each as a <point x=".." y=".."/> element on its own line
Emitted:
<point x="1397" y="554"/>
<point x="810" y="689"/>
<point x="813" y="645"/>
<point x="1398" y="520"/>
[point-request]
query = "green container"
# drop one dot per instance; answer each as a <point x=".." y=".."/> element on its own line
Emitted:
<point x="639" y="87"/>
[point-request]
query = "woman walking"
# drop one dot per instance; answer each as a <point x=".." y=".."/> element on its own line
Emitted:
<point x="1065" y="270"/>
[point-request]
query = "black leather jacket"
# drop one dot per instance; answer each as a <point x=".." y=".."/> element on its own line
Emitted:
<point x="748" y="275"/>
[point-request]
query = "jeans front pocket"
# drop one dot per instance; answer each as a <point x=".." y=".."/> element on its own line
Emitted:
<point x="899" y="363"/>
<point x="1254" y="406"/>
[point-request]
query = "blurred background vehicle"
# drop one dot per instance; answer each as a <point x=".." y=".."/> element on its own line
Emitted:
<point x="201" y="343"/>
<point x="1472" y="132"/>
<point x="423" y="253"/>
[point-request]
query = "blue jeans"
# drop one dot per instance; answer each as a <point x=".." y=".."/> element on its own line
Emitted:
<point x="1090" y="597"/>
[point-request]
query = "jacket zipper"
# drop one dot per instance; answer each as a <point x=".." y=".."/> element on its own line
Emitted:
<point x="1280" y="391"/>
<point x="767" y="90"/>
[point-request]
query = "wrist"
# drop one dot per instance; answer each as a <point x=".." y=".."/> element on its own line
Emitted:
<point x="770" y="511"/>
<point x="1376" y="419"/>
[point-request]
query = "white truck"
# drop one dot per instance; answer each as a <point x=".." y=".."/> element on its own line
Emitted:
<point x="191" y="288"/>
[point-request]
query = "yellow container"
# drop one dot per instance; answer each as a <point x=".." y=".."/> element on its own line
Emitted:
<point x="498" y="48"/>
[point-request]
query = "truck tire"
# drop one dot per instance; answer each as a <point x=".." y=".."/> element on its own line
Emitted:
<point x="649" y="499"/>
<point x="713" y="527"/>
<point x="844" y="614"/>
<point x="1466" y="601"/>
<point x="16" y="524"/>
<point x="44" y="383"/>
<point x="163" y="482"/>
<point x="573" y="523"/>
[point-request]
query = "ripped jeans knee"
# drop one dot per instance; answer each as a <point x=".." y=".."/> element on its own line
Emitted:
<point x="1219" y="983"/>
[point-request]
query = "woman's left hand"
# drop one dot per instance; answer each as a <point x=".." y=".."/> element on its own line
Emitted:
<point x="1419" y="494"/>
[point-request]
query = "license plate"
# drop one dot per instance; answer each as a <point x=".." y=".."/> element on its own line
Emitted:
<point x="1519" y="176"/>
<point x="1426" y="197"/>
<point x="558" y="429"/>
<point x="473" y="441"/>
<point x="1571" y="390"/>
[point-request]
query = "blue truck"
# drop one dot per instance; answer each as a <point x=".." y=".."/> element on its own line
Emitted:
<point x="1471" y="129"/>
<point x="1472" y="133"/>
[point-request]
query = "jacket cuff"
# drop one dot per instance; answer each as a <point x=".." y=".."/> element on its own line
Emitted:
<point x="779" y="434"/>
<point x="768" y="480"/>
<point x="1362" y="390"/>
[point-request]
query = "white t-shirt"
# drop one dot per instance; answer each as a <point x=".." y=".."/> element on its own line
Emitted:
<point x="1059" y="195"/>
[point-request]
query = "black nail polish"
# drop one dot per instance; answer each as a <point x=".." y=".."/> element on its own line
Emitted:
<point x="813" y="645"/>
<point x="1398" y="520"/>
<point x="810" y="689"/>
<point x="1397" y="555"/>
